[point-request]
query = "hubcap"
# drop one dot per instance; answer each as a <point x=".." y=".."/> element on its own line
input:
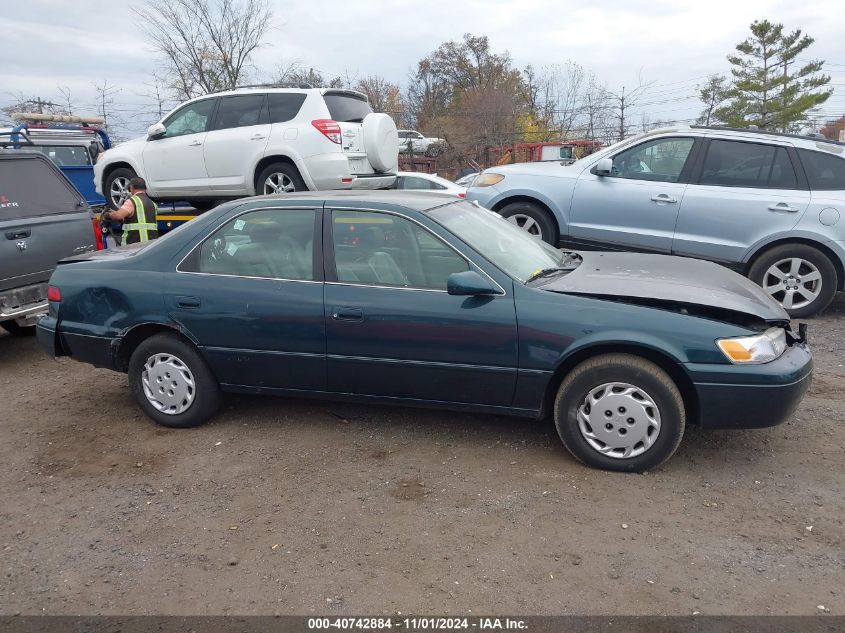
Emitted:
<point x="278" y="183"/>
<point x="793" y="282"/>
<point x="119" y="191"/>
<point x="528" y="224"/>
<point x="619" y="420"/>
<point x="168" y="384"/>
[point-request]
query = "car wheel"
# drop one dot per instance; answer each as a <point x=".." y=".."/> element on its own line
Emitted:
<point x="16" y="329"/>
<point x="619" y="412"/>
<point x="280" y="178"/>
<point x="531" y="218"/>
<point x="172" y="383"/>
<point x="117" y="187"/>
<point x="799" y="277"/>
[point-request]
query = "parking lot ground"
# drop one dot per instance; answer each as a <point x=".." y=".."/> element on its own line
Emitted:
<point x="294" y="506"/>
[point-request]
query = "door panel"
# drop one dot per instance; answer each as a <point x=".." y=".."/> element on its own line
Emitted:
<point x="637" y="205"/>
<point x="174" y="163"/>
<point x="746" y="192"/>
<point x="393" y="331"/>
<point x="248" y="295"/>
<point x="236" y="140"/>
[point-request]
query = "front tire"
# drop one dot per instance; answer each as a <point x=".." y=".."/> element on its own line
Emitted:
<point x="531" y="218"/>
<point x="799" y="277"/>
<point x="171" y="382"/>
<point x="116" y="187"/>
<point x="619" y="412"/>
<point x="279" y="178"/>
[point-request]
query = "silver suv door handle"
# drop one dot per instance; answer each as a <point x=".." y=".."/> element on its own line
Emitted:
<point x="783" y="206"/>
<point x="194" y="144"/>
<point x="257" y="137"/>
<point x="663" y="198"/>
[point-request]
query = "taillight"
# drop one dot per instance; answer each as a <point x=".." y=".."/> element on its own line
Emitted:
<point x="98" y="234"/>
<point x="462" y="195"/>
<point x="53" y="294"/>
<point x="329" y="128"/>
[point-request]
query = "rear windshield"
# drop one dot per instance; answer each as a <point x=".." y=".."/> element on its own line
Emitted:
<point x="65" y="155"/>
<point x="346" y="108"/>
<point x="30" y="186"/>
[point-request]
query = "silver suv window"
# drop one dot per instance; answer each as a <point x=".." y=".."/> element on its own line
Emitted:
<point x="284" y="106"/>
<point x="191" y="119"/>
<point x="240" y="111"/>
<point x="660" y="160"/>
<point x="824" y="171"/>
<point x="743" y="164"/>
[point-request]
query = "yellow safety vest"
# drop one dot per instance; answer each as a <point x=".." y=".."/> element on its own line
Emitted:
<point x="140" y="224"/>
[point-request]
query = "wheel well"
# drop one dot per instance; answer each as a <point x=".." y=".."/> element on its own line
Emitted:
<point x="137" y="335"/>
<point x="502" y="203"/>
<point x="667" y="364"/>
<point x="108" y="171"/>
<point x="834" y="259"/>
<point x="269" y="160"/>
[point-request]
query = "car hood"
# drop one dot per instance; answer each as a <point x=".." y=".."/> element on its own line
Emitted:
<point x="542" y="168"/>
<point x="663" y="280"/>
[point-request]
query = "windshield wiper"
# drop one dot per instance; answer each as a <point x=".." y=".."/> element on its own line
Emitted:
<point x="545" y="272"/>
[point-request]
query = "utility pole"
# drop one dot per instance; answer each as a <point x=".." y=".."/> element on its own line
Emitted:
<point x="622" y="115"/>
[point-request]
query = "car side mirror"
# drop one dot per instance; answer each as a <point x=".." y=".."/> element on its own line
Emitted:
<point x="469" y="283"/>
<point x="156" y="130"/>
<point x="604" y="167"/>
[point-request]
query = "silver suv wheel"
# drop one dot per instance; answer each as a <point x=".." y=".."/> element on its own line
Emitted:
<point x="278" y="183"/>
<point x="168" y="384"/>
<point x="119" y="191"/>
<point x="619" y="420"/>
<point x="528" y="224"/>
<point x="793" y="282"/>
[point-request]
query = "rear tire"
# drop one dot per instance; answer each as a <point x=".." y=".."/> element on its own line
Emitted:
<point x="15" y="329"/>
<point x="171" y="382"/>
<point x="618" y="403"/>
<point x="814" y="274"/>
<point x="116" y="187"/>
<point x="279" y="178"/>
<point x="533" y="219"/>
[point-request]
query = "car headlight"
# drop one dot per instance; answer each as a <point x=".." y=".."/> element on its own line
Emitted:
<point x="486" y="180"/>
<point x="761" y="348"/>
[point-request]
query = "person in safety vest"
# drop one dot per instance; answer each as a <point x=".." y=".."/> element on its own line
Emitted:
<point x="138" y="214"/>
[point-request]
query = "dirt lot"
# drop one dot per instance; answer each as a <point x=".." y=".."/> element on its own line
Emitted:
<point x="309" y="507"/>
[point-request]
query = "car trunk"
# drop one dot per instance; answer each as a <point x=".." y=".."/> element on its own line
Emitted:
<point x="42" y="219"/>
<point x="349" y="110"/>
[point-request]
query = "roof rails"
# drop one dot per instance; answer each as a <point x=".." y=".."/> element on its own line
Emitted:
<point x="300" y="85"/>
<point x="753" y="128"/>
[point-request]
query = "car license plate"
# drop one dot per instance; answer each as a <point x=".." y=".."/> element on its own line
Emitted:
<point x="356" y="165"/>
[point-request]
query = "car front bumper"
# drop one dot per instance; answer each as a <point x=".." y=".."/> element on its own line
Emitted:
<point x="752" y="396"/>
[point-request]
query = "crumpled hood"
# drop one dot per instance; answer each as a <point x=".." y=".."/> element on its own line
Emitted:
<point x="676" y="280"/>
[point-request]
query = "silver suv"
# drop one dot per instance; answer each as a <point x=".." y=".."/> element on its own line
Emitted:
<point x="765" y="204"/>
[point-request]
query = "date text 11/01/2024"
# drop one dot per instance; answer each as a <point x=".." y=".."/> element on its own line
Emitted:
<point x="417" y="623"/>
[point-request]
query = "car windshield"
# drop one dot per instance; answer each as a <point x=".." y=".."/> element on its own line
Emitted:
<point x="503" y="243"/>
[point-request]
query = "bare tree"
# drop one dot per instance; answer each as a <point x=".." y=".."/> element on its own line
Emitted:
<point x="105" y="105"/>
<point x="67" y="99"/>
<point x="623" y="102"/>
<point x="207" y="44"/>
<point x="157" y="97"/>
<point x="296" y="72"/>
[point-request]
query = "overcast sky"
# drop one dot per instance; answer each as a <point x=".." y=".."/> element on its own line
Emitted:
<point x="674" y="43"/>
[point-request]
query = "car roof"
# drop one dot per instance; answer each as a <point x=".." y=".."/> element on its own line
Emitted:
<point x="414" y="200"/>
<point x="798" y="140"/>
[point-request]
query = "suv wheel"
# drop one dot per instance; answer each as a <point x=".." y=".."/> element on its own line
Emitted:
<point x="172" y="383"/>
<point x="619" y="412"/>
<point x="280" y="178"/>
<point x="117" y="187"/>
<point x="531" y="218"/>
<point x="799" y="277"/>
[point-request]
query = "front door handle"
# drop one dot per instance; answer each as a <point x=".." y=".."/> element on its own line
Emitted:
<point x="188" y="303"/>
<point x="783" y="206"/>
<point x="662" y="197"/>
<point x="347" y="314"/>
<point x="257" y="137"/>
<point x="194" y="144"/>
<point x="18" y="234"/>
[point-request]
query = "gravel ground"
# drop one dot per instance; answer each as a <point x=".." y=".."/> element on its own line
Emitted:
<point x="301" y="507"/>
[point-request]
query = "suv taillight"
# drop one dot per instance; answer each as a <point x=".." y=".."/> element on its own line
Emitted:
<point x="98" y="234"/>
<point x="329" y="128"/>
<point x="53" y="294"/>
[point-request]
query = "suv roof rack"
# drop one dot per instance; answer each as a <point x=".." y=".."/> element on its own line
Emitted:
<point x="753" y="128"/>
<point x="300" y="85"/>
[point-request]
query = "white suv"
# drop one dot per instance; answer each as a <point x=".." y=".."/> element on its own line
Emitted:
<point x="413" y="140"/>
<point x="256" y="140"/>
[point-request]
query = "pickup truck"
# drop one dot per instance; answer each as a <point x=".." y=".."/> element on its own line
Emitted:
<point x="43" y="219"/>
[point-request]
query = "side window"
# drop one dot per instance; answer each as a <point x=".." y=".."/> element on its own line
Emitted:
<point x="738" y="164"/>
<point x="284" y="106"/>
<point x="239" y="111"/>
<point x="414" y="182"/>
<point x="660" y="160"/>
<point x="272" y="243"/>
<point x="824" y="171"/>
<point x="380" y="249"/>
<point x="192" y="119"/>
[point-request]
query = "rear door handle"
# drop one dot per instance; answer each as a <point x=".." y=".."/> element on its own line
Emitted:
<point x="662" y="197"/>
<point x="189" y="303"/>
<point x="257" y="137"/>
<point x="783" y="206"/>
<point x="194" y="144"/>
<point x="17" y="234"/>
<point x="347" y="314"/>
